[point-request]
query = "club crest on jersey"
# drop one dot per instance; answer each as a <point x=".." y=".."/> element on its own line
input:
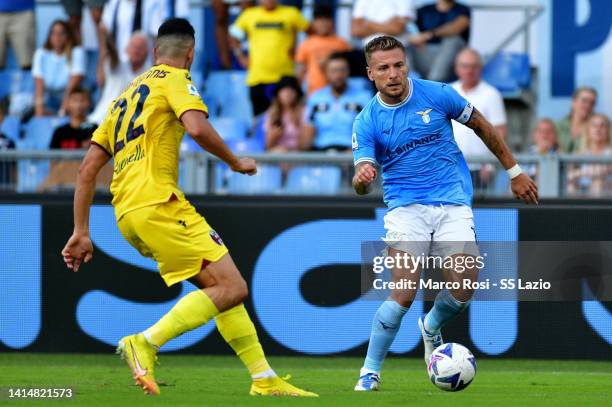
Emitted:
<point x="425" y="115"/>
<point x="215" y="236"/>
<point x="354" y="142"/>
<point x="193" y="91"/>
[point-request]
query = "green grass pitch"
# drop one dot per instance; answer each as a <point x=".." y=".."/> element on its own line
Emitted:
<point x="103" y="380"/>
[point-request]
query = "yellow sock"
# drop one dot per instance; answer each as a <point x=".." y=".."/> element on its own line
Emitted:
<point x="193" y="310"/>
<point x="238" y="330"/>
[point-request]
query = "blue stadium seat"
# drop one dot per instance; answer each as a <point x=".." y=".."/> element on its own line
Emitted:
<point x="10" y="127"/>
<point x="15" y="81"/>
<point x="313" y="180"/>
<point x="227" y="95"/>
<point x="245" y="146"/>
<point x="39" y="132"/>
<point x="508" y="72"/>
<point x="267" y="181"/>
<point x="230" y="128"/>
<point x="31" y="174"/>
<point x="259" y="133"/>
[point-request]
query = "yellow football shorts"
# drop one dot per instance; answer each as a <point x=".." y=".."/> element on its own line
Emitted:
<point x="175" y="235"/>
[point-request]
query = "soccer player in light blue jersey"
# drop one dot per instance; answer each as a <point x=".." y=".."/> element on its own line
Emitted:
<point x="405" y="133"/>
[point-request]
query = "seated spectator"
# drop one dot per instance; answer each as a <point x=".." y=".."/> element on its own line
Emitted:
<point x="545" y="141"/>
<point x="271" y="33"/>
<point x="74" y="135"/>
<point x="544" y="137"/>
<point x="77" y="133"/>
<point x="114" y="75"/>
<point x="59" y="67"/>
<point x="593" y="180"/>
<point x="444" y="30"/>
<point x="7" y="169"/>
<point x="284" y="119"/>
<point x="571" y="128"/>
<point x="330" y="111"/>
<point x="372" y="18"/>
<point x="313" y="52"/>
<point x="17" y="25"/>
<point x="489" y="102"/>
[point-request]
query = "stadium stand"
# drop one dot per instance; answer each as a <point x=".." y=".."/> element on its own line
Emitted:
<point x="226" y="94"/>
<point x="11" y="127"/>
<point x="509" y="72"/>
<point x="313" y="180"/>
<point x="267" y="181"/>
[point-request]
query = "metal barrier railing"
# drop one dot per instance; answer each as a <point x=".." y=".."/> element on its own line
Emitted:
<point x="307" y="173"/>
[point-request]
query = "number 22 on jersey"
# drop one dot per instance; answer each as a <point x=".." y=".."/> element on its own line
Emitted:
<point x="139" y="96"/>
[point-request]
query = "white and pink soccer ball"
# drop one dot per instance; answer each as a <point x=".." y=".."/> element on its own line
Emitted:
<point x="452" y="367"/>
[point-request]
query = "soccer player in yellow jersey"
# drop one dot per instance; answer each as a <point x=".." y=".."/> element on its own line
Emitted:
<point x="142" y="132"/>
<point x="271" y="31"/>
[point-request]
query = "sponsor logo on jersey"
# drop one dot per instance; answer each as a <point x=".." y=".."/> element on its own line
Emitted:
<point x="414" y="144"/>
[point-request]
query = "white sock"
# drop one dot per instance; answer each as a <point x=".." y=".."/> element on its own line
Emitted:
<point x="266" y="374"/>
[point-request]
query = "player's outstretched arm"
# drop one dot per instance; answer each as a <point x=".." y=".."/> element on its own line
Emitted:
<point x="199" y="128"/>
<point x="79" y="247"/>
<point x="522" y="185"/>
<point x="365" y="174"/>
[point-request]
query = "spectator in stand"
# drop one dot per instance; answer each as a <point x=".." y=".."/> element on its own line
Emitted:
<point x="489" y="102"/>
<point x="74" y="9"/>
<point x="271" y="32"/>
<point x="18" y="26"/>
<point x="221" y="9"/>
<point x="77" y="133"/>
<point x="544" y="137"/>
<point x="59" y="67"/>
<point x="114" y="75"/>
<point x="545" y="141"/>
<point x="444" y="30"/>
<point x="7" y="169"/>
<point x="372" y="18"/>
<point x="313" y="52"/>
<point x="330" y="111"/>
<point x="571" y="128"/>
<point x="284" y="120"/>
<point x="122" y="18"/>
<point x="593" y="180"/>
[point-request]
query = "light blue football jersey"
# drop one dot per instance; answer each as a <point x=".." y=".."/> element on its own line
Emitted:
<point x="413" y="144"/>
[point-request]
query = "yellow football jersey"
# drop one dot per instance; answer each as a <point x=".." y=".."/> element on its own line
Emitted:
<point x="143" y="132"/>
<point x="271" y="36"/>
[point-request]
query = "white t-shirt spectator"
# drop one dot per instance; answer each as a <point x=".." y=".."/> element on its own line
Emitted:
<point x="380" y="11"/>
<point x="490" y="103"/>
<point x="114" y="83"/>
<point x="55" y="70"/>
<point x="154" y="13"/>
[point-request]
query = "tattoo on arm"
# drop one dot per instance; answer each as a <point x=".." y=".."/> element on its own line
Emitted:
<point x="493" y="141"/>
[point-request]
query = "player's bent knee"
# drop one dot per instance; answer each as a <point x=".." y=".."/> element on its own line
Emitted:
<point x="403" y="297"/>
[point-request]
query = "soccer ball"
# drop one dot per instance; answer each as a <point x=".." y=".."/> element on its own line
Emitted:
<point x="452" y="367"/>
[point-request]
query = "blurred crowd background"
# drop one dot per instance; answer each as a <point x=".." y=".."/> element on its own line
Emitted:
<point x="281" y="78"/>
